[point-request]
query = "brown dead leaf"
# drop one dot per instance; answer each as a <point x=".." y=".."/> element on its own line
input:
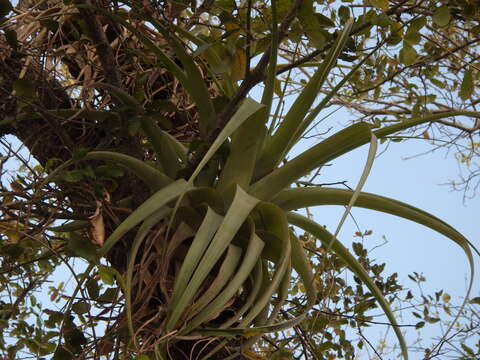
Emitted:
<point x="105" y="346"/>
<point x="106" y="198"/>
<point x="232" y="27"/>
<point x="239" y="65"/>
<point x="96" y="228"/>
<point x="16" y="186"/>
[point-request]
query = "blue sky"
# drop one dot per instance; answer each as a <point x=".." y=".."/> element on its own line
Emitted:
<point x="417" y="182"/>
<point x="410" y="247"/>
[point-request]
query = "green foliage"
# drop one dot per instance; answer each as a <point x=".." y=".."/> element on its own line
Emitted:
<point x="179" y="202"/>
<point x="441" y="16"/>
<point x="467" y="87"/>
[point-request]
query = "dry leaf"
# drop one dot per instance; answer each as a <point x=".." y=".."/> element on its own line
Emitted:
<point x="106" y="197"/>
<point x="16" y="186"/>
<point x="105" y="346"/>
<point x="232" y="27"/>
<point x="239" y="65"/>
<point x="96" y="229"/>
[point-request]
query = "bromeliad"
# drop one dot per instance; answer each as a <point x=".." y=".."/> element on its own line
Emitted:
<point x="214" y="247"/>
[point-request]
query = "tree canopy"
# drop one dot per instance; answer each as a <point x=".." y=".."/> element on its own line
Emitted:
<point x="149" y="195"/>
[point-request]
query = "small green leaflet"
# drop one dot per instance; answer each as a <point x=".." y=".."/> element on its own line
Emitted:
<point x="441" y="16"/>
<point x="81" y="246"/>
<point x="380" y="4"/>
<point x="412" y="37"/>
<point x="106" y="274"/>
<point x="466" y="89"/>
<point x="310" y="24"/>
<point x="93" y="289"/>
<point x="408" y="55"/>
<point x="81" y="307"/>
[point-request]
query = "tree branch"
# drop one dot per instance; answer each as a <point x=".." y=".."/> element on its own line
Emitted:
<point x="104" y="51"/>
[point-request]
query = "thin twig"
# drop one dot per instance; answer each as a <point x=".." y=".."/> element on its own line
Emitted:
<point x="369" y="344"/>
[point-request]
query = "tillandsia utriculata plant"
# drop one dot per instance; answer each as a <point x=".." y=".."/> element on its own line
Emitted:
<point x="205" y="252"/>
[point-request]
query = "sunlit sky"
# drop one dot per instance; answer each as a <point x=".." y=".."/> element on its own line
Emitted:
<point x="409" y="247"/>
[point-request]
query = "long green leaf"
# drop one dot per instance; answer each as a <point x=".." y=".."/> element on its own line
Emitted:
<point x="282" y="295"/>
<point x="262" y="317"/>
<point x="250" y="259"/>
<point x="307" y="161"/>
<point x="408" y="123"/>
<point x="164" y="146"/>
<point x="277" y="146"/>
<point x="345" y="140"/>
<point x="329" y="149"/>
<point x="325" y="237"/>
<point x="299" y="198"/>
<point x="196" y="85"/>
<point x="245" y="145"/>
<point x="202" y="239"/>
<point x="152" y="204"/>
<point x="240" y="208"/>
<point x="302" y="266"/>
<point x="252" y="295"/>
<point x="253" y="331"/>
<point x="318" y="108"/>
<point x="272" y="218"/>
<point x="244" y="112"/>
<point x="248" y="141"/>
<point x="225" y="274"/>
<point x="95" y="115"/>
<point x="154" y="178"/>
<point x="212" y="58"/>
<point x="293" y="199"/>
<point x="126" y="99"/>
<point x="70" y="226"/>
<point x="260" y="279"/>
<point x="267" y="95"/>
<point x="179" y="148"/>
<point x="272" y="252"/>
<point x="363" y="178"/>
<point x="207" y="196"/>
<point x="348" y="139"/>
<point x="164" y="58"/>
<point x="191" y="80"/>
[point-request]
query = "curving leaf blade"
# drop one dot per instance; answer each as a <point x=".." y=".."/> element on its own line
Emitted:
<point x="240" y="208"/>
<point x="325" y="237"/>
<point x="152" y="204"/>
